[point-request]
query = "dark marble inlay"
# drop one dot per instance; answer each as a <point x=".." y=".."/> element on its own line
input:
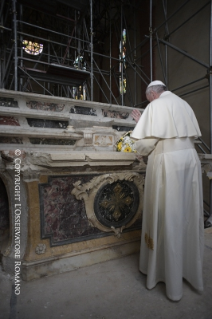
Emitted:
<point x="115" y="114"/>
<point x="122" y="128"/>
<point x="117" y="203"/>
<point x="47" y="123"/>
<point x="83" y="110"/>
<point x="63" y="217"/>
<point x="11" y="140"/>
<point x="8" y="102"/>
<point x="37" y="105"/>
<point x="51" y="141"/>
<point x="9" y="120"/>
<point x="4" y="209"/>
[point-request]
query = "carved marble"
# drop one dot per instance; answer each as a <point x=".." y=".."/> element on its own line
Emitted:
<point x="79" y="145"/>
<point x="40" y="249"/>
<point x="88" y="191"/>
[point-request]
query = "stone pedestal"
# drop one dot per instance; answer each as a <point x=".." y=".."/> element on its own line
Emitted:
<point x="74" y="210"/>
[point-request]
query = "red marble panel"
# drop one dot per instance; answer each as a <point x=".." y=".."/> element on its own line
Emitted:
<point x="63" y="217"/>
<point x="9" y="120"/>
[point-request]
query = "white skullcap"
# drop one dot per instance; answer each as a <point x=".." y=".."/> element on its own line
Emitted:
<point x="157" y="82"/>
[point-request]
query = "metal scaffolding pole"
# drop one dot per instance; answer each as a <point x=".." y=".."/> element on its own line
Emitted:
<point x="101" y="89"/>
<point x="209" y="221"/>
<point x="193" y="15"/>
<point x="184" y="53"/>
<point x="91" y="48"/>
<point x="161" y="60"/>
<point x="21" y="38"/>
<point x="183" y="86"/>
<point x="105" y="80"/>
<point x="1" y="9"/>
<point x="110" y="18"/>
<point x="52" y="31"/>
<point x="110" y="61"/>
<point x="122" y="62"/>
<point x="16" y="47"/>
<point x="35" y="81"/>
<point x="150" y="39"/>
<point x="166" y="47"/>
<point x="171" y="16"/>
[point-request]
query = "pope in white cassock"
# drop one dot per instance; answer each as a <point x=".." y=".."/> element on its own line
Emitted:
<point x="172" y="230"/>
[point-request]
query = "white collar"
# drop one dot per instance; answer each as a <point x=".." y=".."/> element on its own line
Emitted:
<point x="165" y="93"/>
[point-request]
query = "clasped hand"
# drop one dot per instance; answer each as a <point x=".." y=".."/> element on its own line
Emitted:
<point x="136" y="115"/>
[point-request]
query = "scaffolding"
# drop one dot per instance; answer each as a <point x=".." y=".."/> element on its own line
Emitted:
<point x="82" y="55"/>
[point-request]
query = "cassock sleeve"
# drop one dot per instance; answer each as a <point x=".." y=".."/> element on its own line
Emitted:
<point x="145" y="146"/>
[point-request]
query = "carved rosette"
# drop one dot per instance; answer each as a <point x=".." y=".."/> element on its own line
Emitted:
<point x="40" y="249"/>
<point x="112" y="201"/>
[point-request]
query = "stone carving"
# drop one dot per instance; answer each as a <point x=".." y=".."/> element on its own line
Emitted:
<point x="40" y="249"/>
<point x="30" y="175"/>
<point x="115" y="204"/>
<point x="103" y="140"/>
<point x="88" y="192"/>
<point x="7" y="251"/>
<point x="37" y="105"/>
<point x="88" y="137"/>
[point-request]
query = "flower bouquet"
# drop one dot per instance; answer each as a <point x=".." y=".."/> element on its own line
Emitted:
<point x="125" y="144"/>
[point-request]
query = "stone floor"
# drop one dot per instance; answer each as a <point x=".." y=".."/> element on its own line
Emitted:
<point x="110" y="290"/>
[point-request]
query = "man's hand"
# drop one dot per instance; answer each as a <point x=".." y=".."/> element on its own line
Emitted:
<point x="139" y="157"/>
<point x="136" y="115"/>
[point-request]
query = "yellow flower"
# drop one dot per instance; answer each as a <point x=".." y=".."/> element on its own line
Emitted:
<point x="128" y="149"/>
<point x="119" y="146"/>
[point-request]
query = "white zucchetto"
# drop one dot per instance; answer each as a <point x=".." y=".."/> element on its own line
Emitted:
<point x="157" y="82"/>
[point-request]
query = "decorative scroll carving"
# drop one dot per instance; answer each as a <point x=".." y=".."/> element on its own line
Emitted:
<point x="120" y="196"/>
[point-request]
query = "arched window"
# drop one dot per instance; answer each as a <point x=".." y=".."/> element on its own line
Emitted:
<point x="33" y="48"/>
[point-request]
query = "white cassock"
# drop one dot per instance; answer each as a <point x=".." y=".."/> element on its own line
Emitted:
<point x="172" y="230"/>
